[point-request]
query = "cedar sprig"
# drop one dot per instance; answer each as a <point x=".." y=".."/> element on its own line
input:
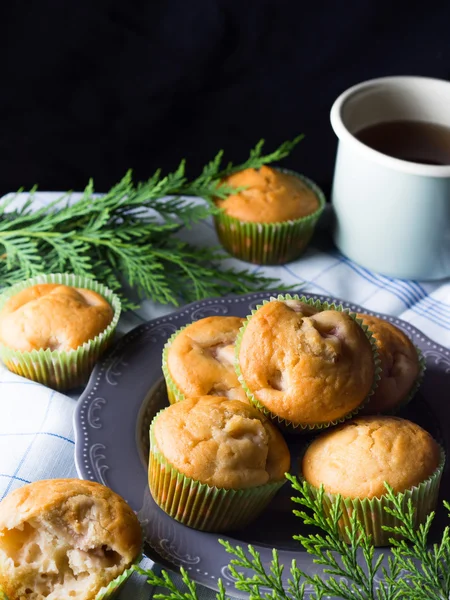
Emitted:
<point x="172" y="592"/>
<point x="264" y="583"/>
<point x="128" y="236"/>
<point x="415" y="570"/>
<point x="349" y="568"/>
<point x="428" y="567"/>
<point x="257" y="159"/>
<point x="207" y="184"/>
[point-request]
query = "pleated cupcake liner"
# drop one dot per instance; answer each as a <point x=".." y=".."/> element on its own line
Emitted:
<point x="61" y="369"/>
<point x="270" y="243"/>
<point x="199" y="505"/>
<point x="174" y="394"/>
<point x="412" y="392"/>
<point x="113" y="588"/>
<point x="371" y="512"/>
<point x="292" y="426"/>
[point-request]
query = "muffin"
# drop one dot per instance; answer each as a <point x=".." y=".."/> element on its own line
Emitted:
<point x="401" y="366"/>
<point x="198" y="360"/>
<point x="64" y="538"/>
<point x="355" y="460"/>
<point x="53" y="328"/>
<point x="305" y="364"/>
<point x="215" y="463"/>
<point x="272" y="218"/>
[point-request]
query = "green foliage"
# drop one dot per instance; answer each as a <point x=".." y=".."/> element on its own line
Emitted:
<point x="207" y="184"/>
<point x="428" y="567"/>
<point x="128" y="236"/>
<point x="172" y="592"/>
<point x="414" y="570"/>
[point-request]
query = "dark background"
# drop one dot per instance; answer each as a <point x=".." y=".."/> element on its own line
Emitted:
<point x="91" y="88"/>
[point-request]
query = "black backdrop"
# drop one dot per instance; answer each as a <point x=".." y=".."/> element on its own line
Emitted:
<point x="93" y="87"/>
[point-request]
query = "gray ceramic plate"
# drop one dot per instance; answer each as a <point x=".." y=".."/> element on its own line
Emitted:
<point x="125" y="391"/>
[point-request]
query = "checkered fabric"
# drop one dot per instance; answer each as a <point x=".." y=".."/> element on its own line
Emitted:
<point x="36" y="433"/>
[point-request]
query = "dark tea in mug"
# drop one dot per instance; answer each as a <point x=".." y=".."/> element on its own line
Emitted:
<point x="414" y="141"/>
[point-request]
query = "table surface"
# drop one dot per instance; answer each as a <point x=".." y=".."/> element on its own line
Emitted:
<point x="36" y="433"/>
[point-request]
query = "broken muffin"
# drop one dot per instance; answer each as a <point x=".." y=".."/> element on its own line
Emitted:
<point x="65" y="539"/>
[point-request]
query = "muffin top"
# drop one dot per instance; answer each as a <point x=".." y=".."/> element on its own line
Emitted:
<point x="53" y="316"/>
<point x="223" y="443"/>
<point x="200" y="358"/>
<point x="399" y="365"/>
<point x="306" y="366"/>
<point x="270" y="196"/>
<point x="356" y="458"/>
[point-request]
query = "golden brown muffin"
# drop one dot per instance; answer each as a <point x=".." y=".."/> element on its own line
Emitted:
<point x="306" y="368"/>
<point x="223" y="443"/>
<point x="64" y="538"/>
<point x="356" y="458"/>
<point x="53" y="316"/>
<point x="271" y="196"/>
<point x="200" y="359"/>
<point x="399" y="364"/>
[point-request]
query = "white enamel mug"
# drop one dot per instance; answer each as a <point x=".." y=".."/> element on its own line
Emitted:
<point x="391" y="216"/>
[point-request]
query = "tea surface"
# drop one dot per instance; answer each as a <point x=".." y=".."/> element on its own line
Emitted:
<point x="414" y="141"/>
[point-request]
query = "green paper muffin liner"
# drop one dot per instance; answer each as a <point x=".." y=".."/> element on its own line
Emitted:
<point x="173" y="392"/>
<point x="61" y="369"/>
<point x="199" y="505"/>
<point x="372" y="514"/>
<point x="116" y="584"/>
<point x="304" y="427"/>
<point x="269" y="243"/>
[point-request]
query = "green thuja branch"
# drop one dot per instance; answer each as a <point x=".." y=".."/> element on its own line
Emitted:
<point x="263" y="583"/>
<point x="171" y="591"/>
<point x="128" y="236"/>
<point x="427" y="567"/>
<point x="414" y="569"/>
<point x="208" y="185"/>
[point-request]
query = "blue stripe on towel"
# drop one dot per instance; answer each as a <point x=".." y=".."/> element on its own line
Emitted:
<point x="30" y="445"/>
<point x="61" y="437"/>
<point x="12" y="477"/>
<point x="371" y="278"/>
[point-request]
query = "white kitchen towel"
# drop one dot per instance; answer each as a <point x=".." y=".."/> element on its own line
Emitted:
<point x="36" y="433"/>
